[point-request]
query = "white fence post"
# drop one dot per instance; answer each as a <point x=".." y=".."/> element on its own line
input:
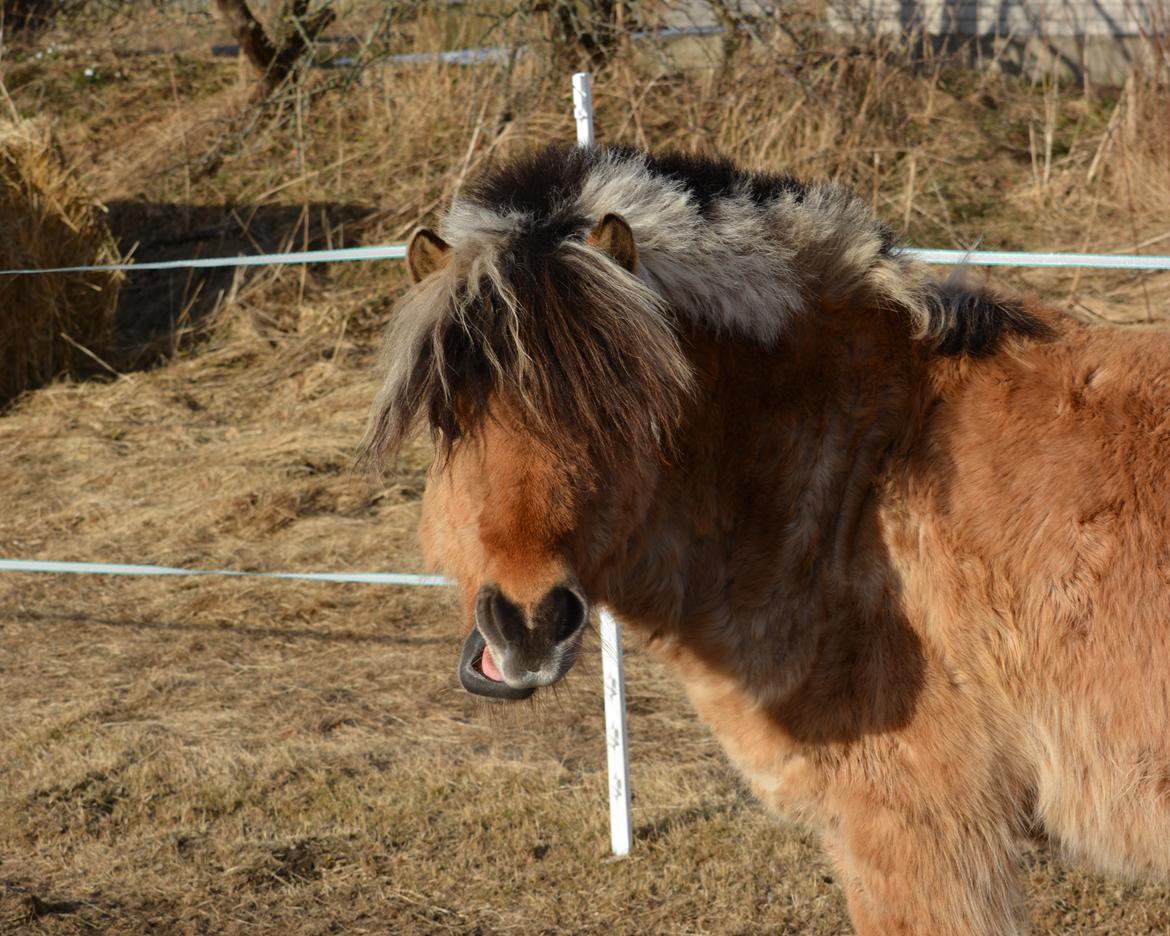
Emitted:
<point x="612" y="667"/>
<point x="583" y="108"/>
<point x="617" y="754"/>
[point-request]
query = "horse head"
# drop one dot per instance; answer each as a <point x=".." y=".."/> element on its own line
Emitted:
<point x="552" y="379"/>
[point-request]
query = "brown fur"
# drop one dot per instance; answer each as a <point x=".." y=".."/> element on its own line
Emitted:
<point x="916" y="580"/>
<point x="922" y="602"/>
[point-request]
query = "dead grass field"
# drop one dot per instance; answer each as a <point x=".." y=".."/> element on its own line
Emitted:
<point x="240" y="756"/>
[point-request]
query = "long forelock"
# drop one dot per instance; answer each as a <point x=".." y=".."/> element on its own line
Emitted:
<point x="578" y="350"/>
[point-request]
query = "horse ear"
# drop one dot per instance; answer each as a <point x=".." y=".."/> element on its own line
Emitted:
<point x="426" y="253"/>
<point x="613" y="236"/>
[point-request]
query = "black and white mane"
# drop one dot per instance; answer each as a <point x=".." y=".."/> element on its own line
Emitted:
<point x="527" y="306"/>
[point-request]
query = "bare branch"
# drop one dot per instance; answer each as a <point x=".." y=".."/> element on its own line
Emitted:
<point x="275" y="63"/>
<point x="248" y="32"/>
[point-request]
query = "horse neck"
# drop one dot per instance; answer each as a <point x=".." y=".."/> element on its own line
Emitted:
<point x="766" y="508"/>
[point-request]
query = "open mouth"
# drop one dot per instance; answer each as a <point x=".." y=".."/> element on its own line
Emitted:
<point x="479" y="674"/>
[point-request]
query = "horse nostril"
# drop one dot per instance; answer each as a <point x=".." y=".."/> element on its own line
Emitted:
<point x="559" y="615"/>
<point x="567" y="609"/>
<point x="508" y="619"/>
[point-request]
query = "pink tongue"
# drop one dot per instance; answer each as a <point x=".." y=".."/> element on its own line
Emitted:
<point x="488" y="666"/>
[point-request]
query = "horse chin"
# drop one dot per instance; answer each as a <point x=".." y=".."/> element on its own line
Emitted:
<point x="474" y="679"/>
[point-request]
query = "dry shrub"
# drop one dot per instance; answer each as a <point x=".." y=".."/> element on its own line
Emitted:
<point x="50" y="324"/>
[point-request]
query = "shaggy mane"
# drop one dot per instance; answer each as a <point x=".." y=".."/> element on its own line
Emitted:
<point x="579" y="348"/>
<point x="574" y="346"/>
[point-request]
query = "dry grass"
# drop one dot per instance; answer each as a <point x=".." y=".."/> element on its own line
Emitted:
<point x="244" y="756"/>
<point x="49" y="326"/>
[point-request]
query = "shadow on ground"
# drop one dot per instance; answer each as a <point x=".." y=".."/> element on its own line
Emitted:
<point x="154" y="304"/>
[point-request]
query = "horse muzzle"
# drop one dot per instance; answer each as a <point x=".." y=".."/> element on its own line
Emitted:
<point x="511" y="652"/>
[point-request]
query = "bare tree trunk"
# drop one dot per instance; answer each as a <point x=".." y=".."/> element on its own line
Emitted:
<point x="27" y="15"/>
<point x="595" y="31"/>
<point x="254" y="42"/>
<point x="274" y="63"/>
<point x="731" y="34"/>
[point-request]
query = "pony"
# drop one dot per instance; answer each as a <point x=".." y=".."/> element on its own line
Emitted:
<point x="905" y="543"/>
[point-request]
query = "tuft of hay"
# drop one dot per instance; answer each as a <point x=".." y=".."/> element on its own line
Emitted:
<point x="58" y="323"/>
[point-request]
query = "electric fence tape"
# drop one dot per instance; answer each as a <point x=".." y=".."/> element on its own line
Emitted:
<point x="1001" y="258"/>
<point x="110" y="568"/>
